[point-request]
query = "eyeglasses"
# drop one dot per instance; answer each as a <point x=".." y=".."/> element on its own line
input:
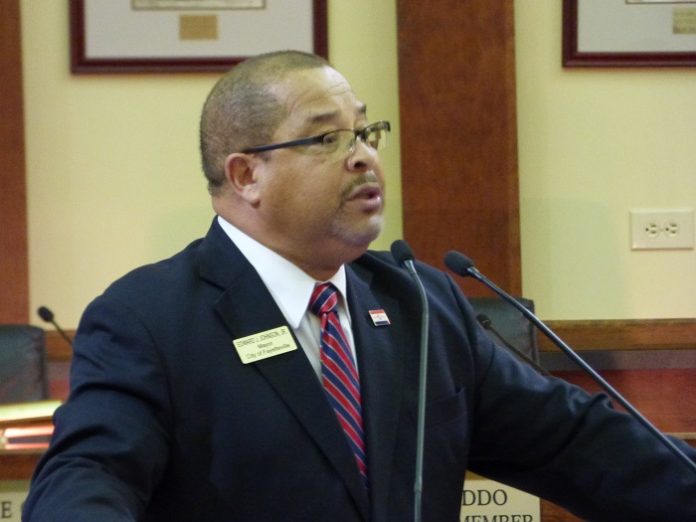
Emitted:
<point x="374" y="136"/>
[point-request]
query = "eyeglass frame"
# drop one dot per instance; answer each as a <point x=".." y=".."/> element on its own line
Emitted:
<point x="319" y="138"/>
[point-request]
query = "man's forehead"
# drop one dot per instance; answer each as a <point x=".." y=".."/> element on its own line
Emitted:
<point x="319" y="116"/>
<point x="320" y="95"/>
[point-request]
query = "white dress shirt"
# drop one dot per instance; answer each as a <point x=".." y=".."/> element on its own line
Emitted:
<point x="291" y="288"/>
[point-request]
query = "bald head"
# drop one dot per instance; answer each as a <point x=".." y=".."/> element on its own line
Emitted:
<point x="241" y="111"/>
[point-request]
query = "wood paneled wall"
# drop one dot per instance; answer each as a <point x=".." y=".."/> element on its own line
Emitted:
<point x="458" y="134"/>
<point x="14" y="270"/>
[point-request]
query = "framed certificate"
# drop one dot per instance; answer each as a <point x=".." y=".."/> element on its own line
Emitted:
<point x="112" y="36"/>
<point x="655" y="33"/>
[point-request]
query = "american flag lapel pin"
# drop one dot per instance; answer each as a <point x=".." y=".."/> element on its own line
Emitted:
<point x="379" y="317"/>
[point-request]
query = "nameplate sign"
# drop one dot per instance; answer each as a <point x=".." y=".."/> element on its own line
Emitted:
<point x="13" y="493"/>
<point x="485" y="500"/>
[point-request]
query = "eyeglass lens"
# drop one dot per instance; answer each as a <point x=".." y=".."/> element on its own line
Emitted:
<point x="344" y="139"/>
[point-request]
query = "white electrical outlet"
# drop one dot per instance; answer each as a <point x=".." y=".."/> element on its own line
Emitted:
<point x="662" y="229"/>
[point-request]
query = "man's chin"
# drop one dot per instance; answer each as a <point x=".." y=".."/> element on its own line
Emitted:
<point x="367" y="236"/>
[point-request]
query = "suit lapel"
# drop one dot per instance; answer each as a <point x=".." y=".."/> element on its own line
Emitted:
<point x="290" y="374"/>
<point x="380" y="359"/>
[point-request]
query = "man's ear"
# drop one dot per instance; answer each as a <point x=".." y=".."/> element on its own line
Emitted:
<point x="241" y="171"/>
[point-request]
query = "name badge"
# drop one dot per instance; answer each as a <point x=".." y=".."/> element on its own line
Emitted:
<point x="265" y="344"/>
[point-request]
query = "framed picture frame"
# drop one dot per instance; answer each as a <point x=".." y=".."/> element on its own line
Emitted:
<point x="629" y="33"/>
<point x="166" y="36"/>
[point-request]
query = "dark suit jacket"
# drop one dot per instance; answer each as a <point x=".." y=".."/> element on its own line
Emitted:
<point x="164" y="423"/>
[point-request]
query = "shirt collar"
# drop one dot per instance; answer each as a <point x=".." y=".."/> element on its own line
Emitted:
<point x="290" y="287"/>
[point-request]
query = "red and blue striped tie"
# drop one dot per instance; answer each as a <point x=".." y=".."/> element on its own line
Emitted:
<point x="338" y="372"/>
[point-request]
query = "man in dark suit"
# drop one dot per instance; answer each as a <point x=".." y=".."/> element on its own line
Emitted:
<point x="203" y="388"/>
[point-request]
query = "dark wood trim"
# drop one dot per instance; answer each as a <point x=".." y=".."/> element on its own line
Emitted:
<point x="57" y="348"/>
<point x="628" y="334"/>
<point x="14" y="266"/>
<point x="459" y="135"/>
<point x="18" y="465"/>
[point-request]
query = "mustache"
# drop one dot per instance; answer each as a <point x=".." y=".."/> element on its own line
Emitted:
<point x="363" y="179"/>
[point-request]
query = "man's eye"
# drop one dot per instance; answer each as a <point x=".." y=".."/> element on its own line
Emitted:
<point x="330" y="139"/>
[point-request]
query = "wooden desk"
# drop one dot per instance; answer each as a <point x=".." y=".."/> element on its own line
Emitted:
<point x="666" y="397"/>
<point x="18" y="465"/>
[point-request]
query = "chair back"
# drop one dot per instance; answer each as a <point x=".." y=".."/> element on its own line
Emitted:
<point x="22" y="364"/>
<point x="509" y="322"/>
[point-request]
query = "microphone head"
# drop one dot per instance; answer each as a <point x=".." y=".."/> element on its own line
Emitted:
<point x="401" y="252"/>
<point x="45" y="314"/>
<point x="458" y="263"/>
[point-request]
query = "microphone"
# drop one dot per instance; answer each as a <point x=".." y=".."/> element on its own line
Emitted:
<point x="47" y="315"/>
<point x="462" y="265"/>
<point x="404" y="257"/>
<point x="487" y="323"/>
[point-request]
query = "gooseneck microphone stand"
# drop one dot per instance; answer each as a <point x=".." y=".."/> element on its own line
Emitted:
<point x="404" y="257"/>
<point x="462" y="265"/>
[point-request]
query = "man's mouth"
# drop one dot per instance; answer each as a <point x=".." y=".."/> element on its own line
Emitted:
<point x="366" y="191"/>
<point x="368" y="195"/>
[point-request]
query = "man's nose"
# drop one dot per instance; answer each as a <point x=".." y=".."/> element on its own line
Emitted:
<point x="362" y="157"/>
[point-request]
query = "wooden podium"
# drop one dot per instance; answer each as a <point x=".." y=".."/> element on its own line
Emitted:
<point x="25" y="429"/>
<point x="667" y="397"/>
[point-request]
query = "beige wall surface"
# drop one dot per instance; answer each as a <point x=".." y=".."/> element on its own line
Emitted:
<point x="113" y="176"/>
<point x="593" y="144"/>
